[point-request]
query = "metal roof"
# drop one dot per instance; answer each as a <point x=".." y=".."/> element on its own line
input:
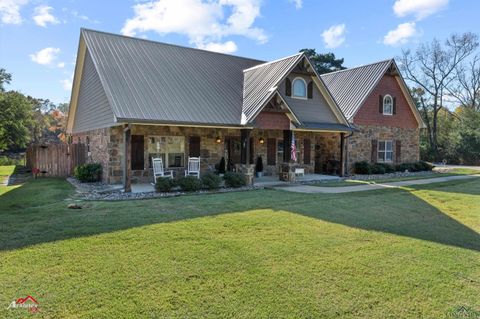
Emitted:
<point x="152" y="81"/>
<point x="261" y="82"/>
<point x="326" y="127"/>
<point x="351" y="87"/>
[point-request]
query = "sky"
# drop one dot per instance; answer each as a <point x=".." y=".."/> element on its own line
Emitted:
<point x="39" y="38"/>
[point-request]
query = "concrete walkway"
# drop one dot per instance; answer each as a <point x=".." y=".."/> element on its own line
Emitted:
<point x="307" y="189"/>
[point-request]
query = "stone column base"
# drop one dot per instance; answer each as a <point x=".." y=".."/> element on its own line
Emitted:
<point x="248" y="170"/>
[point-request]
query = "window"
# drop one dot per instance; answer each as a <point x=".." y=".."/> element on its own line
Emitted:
<point x="387" y="105"/>
<point x="171" y="149"/>
<point x="385" y="151"/>
<point x="280" y="151"/>
<point x="299" y="88"/>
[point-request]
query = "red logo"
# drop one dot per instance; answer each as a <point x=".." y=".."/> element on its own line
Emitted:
<point x="28" y="302"/>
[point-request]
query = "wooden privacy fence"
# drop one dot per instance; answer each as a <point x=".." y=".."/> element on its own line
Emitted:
<point x="56" y="159"/>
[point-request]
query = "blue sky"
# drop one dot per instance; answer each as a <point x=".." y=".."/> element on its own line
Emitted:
<point x="39" y="38"/>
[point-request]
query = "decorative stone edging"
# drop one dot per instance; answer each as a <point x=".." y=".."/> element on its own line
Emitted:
<point x="391" y="175"/>
<point x="105" y="192"/>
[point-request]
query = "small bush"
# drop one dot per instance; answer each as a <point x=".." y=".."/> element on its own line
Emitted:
<point x="211" y="181"/>
<point x="88" y="173"/>
<point x="221" y="166"/>
<point x="389" y="168"/>
<point x="259" y="165"/>
<point x="164" y="185"/>
<point x="234" y="179"/>
<point x="424" y="166"/>
<point x="378" y="168"/>
<point x="362" y="167"/>
<point x="5" y="160"/>
<point x="190" y="184"/>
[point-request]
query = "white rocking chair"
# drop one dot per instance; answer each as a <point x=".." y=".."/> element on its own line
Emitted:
<point x="193" y="168"/>
<point x="159" y="171"/>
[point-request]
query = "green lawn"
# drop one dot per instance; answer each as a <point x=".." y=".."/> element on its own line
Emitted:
<point x="400" y="253"/>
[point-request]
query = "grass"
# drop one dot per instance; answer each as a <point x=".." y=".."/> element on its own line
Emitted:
<point x="356" y="182"/>
<point x="403" y="253"/>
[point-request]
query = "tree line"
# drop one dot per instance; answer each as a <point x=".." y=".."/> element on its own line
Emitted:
<point x="25" y="119"/>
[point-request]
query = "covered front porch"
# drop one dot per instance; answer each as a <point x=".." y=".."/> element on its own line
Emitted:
<point x="318" y="153"/>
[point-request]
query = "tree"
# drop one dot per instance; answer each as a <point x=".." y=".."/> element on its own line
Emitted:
<point x="5" y="78"/>
<point x="15" y="120"/>
<point x="324" y="63"/>
<point x="431" y="68"/>
<point x="466" y="89"/>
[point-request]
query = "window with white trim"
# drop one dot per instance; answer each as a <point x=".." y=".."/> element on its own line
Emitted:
<point x="171" y="149"/>
<point x="299" y="88"/>
<point x="385" y="151"/>
<point x="387" y="105"/>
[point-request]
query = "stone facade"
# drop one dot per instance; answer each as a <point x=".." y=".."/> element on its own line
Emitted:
<point x="359" y="145"/>
<point x="97" y="142"/>
<point x="107" y="147"/>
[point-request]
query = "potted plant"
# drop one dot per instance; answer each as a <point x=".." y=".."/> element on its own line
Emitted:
<point x="259" y="167"/>
<point x="221" y="167"/>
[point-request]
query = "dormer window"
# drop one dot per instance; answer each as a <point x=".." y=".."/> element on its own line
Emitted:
<point x="299" y="88"/>
<point x="387" y="105"/>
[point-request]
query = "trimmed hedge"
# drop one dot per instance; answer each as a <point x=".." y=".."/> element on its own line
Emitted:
<point x="382" y="168"/>
<point x="88" y="173"/>
<point x="189" y="184"/>
<point x="234" y="180"/>
<point x="164" y="184"/>
<point x="211" y="181"/>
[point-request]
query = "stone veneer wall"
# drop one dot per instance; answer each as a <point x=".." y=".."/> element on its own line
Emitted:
<point x="211" y="152"/>
<point x="97" y="148"/>
<point x="107" y="148"/>
<point x="359" y="145"/>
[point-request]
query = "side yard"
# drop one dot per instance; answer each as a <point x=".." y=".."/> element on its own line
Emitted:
<point x="402" y="253"/>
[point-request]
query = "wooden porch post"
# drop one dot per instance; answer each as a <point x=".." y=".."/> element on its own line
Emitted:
<point x="287" y="146"/>
<point x="127" y="183"/>
<point x="342" y="154"/>
<point x="245" y="146"/>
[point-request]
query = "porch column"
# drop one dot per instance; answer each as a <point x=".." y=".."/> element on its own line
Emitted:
<point x="342" y="154"/>
<point x="245" y="146"/>
<point x="127" y="183"/>
<point x="287" y="146"/>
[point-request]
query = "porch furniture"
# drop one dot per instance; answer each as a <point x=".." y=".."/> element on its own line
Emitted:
<point x="193" y="168"/>
<point x="159" y="171"/>
<point x="299" y="171"/>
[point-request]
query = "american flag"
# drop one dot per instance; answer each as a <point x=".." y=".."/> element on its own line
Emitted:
<point x="293" y="149"/>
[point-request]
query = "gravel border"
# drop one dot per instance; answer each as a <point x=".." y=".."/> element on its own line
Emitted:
<point x="391" y="175"/>
<point x="105" y="192"/>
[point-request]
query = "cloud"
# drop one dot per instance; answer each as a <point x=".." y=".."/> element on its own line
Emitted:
<point x="61" y="64"/>
<point x="45" y="56"/>
<point x="418" y="8"/>
<point x="298" y="3"/>
<point x="10" y="11"/>
<point x="42" y="16"/>
<point x="202" y="21"/>
<point x="334" y="36"/>
<point x="401" y="34"/>
<point x="67" y="84"/>
<point x="226" y="47"/>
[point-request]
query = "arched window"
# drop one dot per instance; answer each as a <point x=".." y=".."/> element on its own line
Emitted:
<point x="387" y="105"/>
<point x="299" y="88"/>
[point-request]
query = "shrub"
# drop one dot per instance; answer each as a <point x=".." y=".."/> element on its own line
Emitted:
<point x="362" y="167"/>
<point x="234" y="180"/>
<point x="88" y="173"/>
<point x="164" y="184"/>
<point x="378" y="168"/>
<point x="424" y="166"/>
<point x="4" y="160"/>
<point x="403" y="167"/>
<point x="190" y="184"/>
<point x="211" y="181"/>
<point x="389" y="168"/>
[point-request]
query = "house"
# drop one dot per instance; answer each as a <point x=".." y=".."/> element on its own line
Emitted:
<point x="135" y="99"/>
